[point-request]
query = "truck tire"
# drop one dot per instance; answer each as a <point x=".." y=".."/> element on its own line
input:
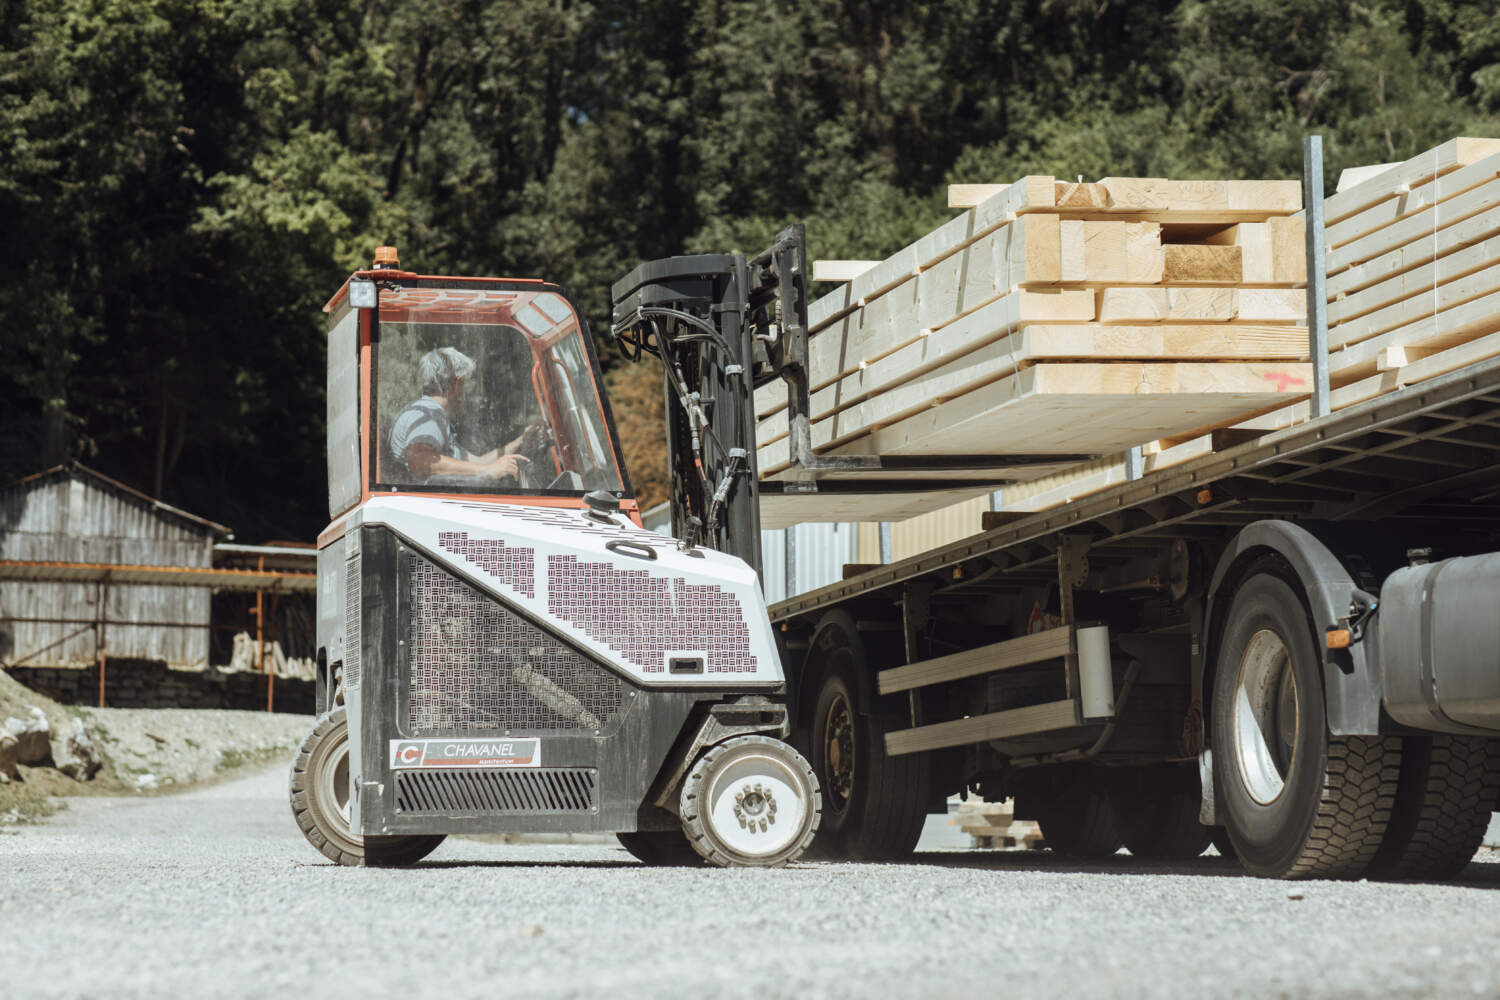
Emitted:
<point x="1443" y="805"/>
<point x="1077" y="823"/>
<point x="320" y="803"/>
<point x="661" y="848"/>
<point x="1156" y="813"/>
<point x="873" y="805"/>
<point x="1298" y="802"/>
<point x="750" y="802"/>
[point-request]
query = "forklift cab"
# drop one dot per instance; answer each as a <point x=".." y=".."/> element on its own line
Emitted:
<point x="472" y="387"/>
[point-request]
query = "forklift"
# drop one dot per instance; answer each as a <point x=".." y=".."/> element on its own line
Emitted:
<point x="502" y="648"/>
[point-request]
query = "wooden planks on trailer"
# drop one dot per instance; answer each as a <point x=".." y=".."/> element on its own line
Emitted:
<point x="1413" y="255"/>
<point x="1055" y="317"/>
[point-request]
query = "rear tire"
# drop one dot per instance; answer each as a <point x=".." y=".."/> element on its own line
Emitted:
<point x="1077" y="818"/>
<point x="661" y="848"/>
<point x="1298" y="802"/>
<point x="1443" y="805"/>
<point x="1156" y="813"/>
<point x="874" y="805"/>
<point x="320" y="803"/>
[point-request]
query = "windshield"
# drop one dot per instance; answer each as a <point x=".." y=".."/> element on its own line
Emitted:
<point x="488" y="389"/>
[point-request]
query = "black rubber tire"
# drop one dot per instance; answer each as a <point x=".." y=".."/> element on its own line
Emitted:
<point x="321" y="821"/>
<point x="1444" y="801"/>
<point x="1329" y="817"/>
<point x="1156" y="812"/>
<point x="1077" y="821"/>
<point x="694" y="806"/>
<point x="881" y="817"/>
<point x="661" y="848"/>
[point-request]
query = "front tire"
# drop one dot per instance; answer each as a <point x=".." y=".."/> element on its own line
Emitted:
<point x="750" y="802"/>
<point x="1298" y="802"/>
<point x="320" y="803"/>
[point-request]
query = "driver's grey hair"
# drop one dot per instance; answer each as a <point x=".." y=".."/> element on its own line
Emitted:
<point x="440" y="367"/>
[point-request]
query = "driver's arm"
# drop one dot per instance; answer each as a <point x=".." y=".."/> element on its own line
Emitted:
<point x="426" y="461"/>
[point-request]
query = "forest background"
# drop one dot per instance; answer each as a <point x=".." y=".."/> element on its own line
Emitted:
<point x="183" y="183"/>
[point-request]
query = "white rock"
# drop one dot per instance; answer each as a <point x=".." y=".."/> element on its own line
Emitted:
<point x="79" y="758"/>
<point x="31" y="736"/>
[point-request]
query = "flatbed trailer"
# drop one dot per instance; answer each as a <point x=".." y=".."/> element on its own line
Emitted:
<point x="1290" y="646"/>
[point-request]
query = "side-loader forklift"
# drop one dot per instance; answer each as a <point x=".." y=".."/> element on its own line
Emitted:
<point x="501" y="647"/>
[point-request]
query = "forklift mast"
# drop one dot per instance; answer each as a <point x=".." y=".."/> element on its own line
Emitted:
<point x="723" y="325"/>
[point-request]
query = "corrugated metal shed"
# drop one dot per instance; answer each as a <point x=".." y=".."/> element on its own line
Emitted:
<point x="74" y="515"/>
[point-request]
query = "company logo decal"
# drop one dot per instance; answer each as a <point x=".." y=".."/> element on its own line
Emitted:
<point x="408" y="754"/>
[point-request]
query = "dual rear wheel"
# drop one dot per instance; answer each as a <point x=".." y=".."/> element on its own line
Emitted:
<point x="1299" y="802"/>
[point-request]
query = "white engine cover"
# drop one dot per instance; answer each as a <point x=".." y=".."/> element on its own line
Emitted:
<point x="636" y="613"/>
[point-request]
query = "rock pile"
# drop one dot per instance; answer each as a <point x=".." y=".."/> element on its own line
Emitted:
<point x="29" y="741"/>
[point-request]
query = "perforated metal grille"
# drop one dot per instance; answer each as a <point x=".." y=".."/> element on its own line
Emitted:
<point x="512" y="565"/>
<point x="477" y="665"/>
<point x="642" y="617"/>
<point x="351" y="625"/>
<point x="536" y="790"/>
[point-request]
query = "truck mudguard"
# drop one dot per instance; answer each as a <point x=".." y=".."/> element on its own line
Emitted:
<point x="1351" y="677"/>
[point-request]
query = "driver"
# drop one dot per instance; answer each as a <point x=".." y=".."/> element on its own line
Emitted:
<point x="422" y="435"/>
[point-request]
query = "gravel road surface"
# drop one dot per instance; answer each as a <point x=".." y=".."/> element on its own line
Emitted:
<point x="213" y="893"/>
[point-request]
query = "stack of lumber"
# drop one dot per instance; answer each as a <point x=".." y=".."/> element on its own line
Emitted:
<point x="1413" y="292"/>
<point x="1054" y="318"/>
<point x="993" y="824"/>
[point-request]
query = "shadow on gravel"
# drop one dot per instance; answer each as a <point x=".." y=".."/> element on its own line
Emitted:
<point x="1478" y="875"/>
<point x="491" y="863"/>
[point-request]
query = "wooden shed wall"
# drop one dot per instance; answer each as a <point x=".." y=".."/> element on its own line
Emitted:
<point x="78" y="519"/>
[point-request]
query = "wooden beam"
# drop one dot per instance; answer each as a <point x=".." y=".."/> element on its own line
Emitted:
<point x="840" y="270"/>
<point x="1419" y="248"/>
<point x="982" y="728"/>
<point x="1419" y="226"/>
<point x="1403" y="203"/>
<point x="972" y="195"/>
<point x="982" y="660"/>
<point x="1444" y="159"/>
<point x="1207" y="265"/>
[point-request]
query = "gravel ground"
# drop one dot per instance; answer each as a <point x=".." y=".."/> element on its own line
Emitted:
<point x="213" y="893"/>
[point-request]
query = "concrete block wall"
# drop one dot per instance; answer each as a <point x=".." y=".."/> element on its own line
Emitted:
<point x="151" y="684"/>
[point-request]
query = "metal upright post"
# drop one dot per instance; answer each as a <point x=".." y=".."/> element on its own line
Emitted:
<point x="1317" y="270"/>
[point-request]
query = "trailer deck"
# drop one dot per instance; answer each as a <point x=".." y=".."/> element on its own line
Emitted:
<point x="1426" y="451"/>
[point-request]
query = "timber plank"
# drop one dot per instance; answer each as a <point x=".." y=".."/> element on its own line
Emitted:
<point x="1424" y="248"/>
<point x="1443" y="159"/>
<point x="1209" y="265"/>
<point x="1003" y="655"/>
<point x="1421" y="280"/>
<point x="981" y="728"/>
<point x="1424" y="224"/>
<point x="904" y="375"/>
<point x="1399" y="205"/>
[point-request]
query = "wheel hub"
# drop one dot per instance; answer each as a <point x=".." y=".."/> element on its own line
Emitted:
<point x="755" y="807"/>
<point x="1266" y="708"/>
<point x="747" y="798"/>
<point x="838" y="753"/>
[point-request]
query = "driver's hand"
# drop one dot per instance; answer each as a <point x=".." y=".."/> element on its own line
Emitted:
<point x="533" y="437"/>
<point x="507" y="465"/>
